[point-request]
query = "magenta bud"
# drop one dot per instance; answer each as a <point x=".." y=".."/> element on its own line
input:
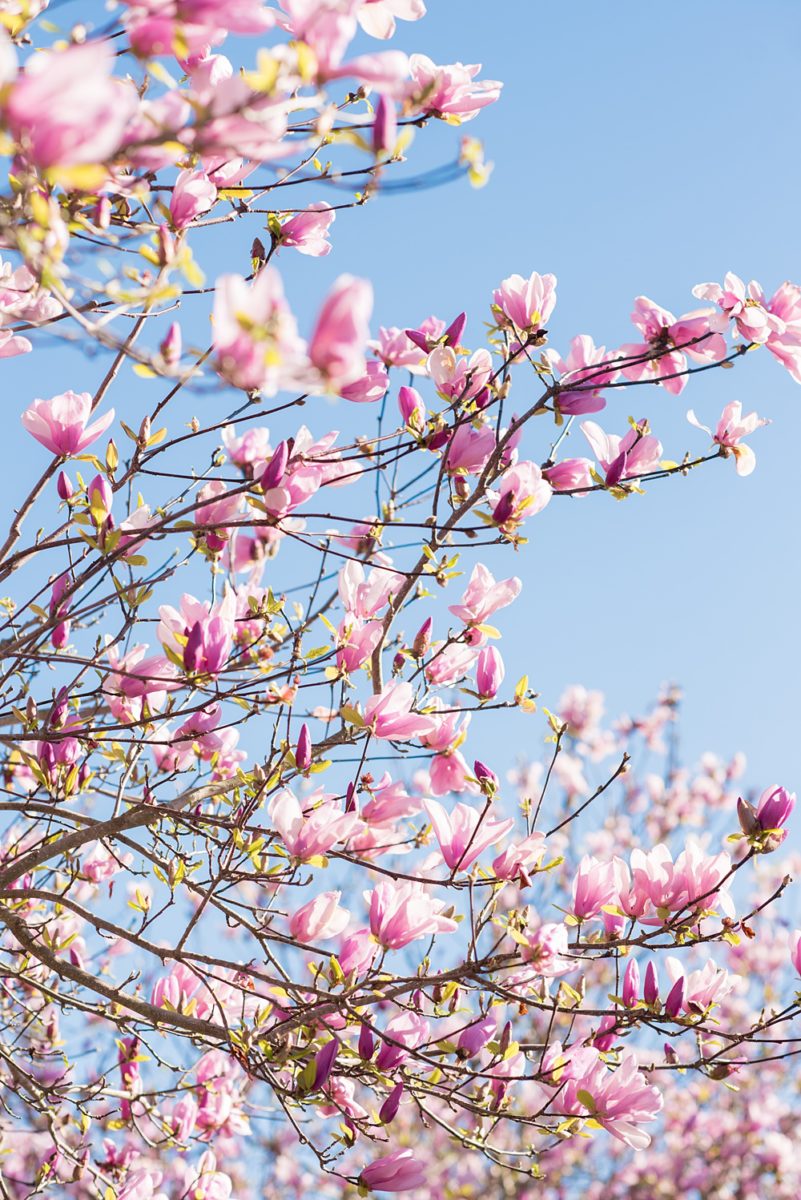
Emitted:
<point x="605" y="1037"/>
<point x="489" y="673"/>
<point x="746" y="815"/>
<point x="422" y="639"/>
<point x="303" y="752"/>
<point x="389" y="1109"/>
<point x="475" y="1037"/>
<point x="276" y="468"/>
<point x="505" y="1040"/>
<point x="774" y="807"/>
<point x="676" y="997"/>
<point x="670" y="1054"/>
<point x="324" y="1063"/>
<point x="631" y="983"/>
<point x="487" y="779"/>
<point x="453" y="334"/>
<point x="385" y="127"/>
<point x="64" y="486"/>
<point x="650" y="992"/>
<point x="398" y="663"/>
<point x="350" y="798"/>
<point x="366" y="1043"/>
<point x="417" y="999"/>
<point x="482" y="398"/>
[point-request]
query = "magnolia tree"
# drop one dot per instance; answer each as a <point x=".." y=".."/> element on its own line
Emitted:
<point x="269" y="928"/>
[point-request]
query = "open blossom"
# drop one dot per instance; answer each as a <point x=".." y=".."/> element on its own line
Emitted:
<point x="216" y="509"/>
<point x="462" y="835"/>
<point x="484" y="595"/>
<point x="742" y="304"/>
<point x="390" y="715"/>
<point x="624" y="458"/>
<point x="593" y="887"/>
<point x="312" y="829"/>
<point x="187" y="28"/>
<point x="668" y="342"/>
<point x="319" y="919"/>
<point x="729" y="432"/>
<point x="457" y="377"/>
<point x="256" y="338"/>
<point x="620" y="1099"/>
<point x="66" y="108"/>
<point x="198" y="637"/>
<point x="520" y="857"/>
<point x="587" y="367"/>
<point x="307" y="231"/>
<point x="525" y="305"/>
<point x="369" y="387"/>
<point x="450" y="92"/>
<point x="377" y="17"/>
<point x="522" y="492"/>
<point x="402" y="911"/>
<point x="569" y="475"/>
<point x="700" y="988"/>
<point x="60" y="423"/>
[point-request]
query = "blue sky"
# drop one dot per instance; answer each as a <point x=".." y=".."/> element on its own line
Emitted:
<point x="637" y="149"/>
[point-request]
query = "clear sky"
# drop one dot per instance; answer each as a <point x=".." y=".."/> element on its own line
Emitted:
<point x="638" y="148"/>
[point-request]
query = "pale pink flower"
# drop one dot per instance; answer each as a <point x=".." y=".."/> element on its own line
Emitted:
<point x="319" y="919"/>
<point x="587" y="367"/>
<point x="729" y="432"/>
<point x="620" y="1098"/>
<point x="66" y="108"/>
<point x="369" y="387"/>
<point x="402" y="911"/>
<point x="743" y="305"/>
<point x="193" y="193"/>
<point x="310" y="831"/>
<point x="377" y="17"/>
<point x="390" y="714"/>
<point x="521" y="492"/>
<point x="450" y="92"/>
<point x="525" y="305"/>
<point x="623" y="458"/>
<point x="256" y="338"/>
<point x="395" y="349"/>
<point x="60" y="423"/>
<point x="701" y="988"/>
<point x="307" y="231"/>
<point x="593" y="887"/>
<point x="399" y="1171"/>
<point x="545" y="947"/>
<point x="456" y="377"/>
<point x="570" y="475"/>
<point x="520" y="857"/>
<point x="484" y="595"/>
<point x="469" y="449"/>
<point x="668" y="341"/>
<point x="462" y="834"/>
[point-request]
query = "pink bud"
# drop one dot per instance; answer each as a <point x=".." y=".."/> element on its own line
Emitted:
<point x="412" y="408"/>
<point x="676" y="997"/>
<point x="303" y="752"/>
<point x="170" y="348"/>
<point x="489" y="673"/>
<point x="605" y="1037"/>
<point x="366" y="1043"/>
<point x="324" y="1064"/>
<point x="453" y="333"/>
<point x="422" y="639"/>
<point x="487" y="779"/>
<point x="350" y="798"/>
<point x="102" y="214"/>
<point x="389" y="1109"/>
<point x="99" y="496"/>
<point x="631" y="983"/>
<point x="64" y="486"/>
<point x="651" y="985"/>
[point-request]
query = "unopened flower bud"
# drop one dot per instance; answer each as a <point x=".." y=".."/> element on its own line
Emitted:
<point x="422" y="639"/>
<point x="303" y="751"/>
<point x="64" y="486"/>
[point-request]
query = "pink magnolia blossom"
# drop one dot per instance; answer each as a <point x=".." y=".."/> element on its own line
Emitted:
<point x="525" y="305"/>
<point x="377" y="17"/>
<point x="402" y="911"/>
<point x="588" y="367"/>
<point x="520" y="857"/>
<point x="593" y="887"/>
<point x="390" y="714"/>
<point x="364" y="595"/>
<point x="785" y="345"/>
<point x="193" y="194"/>
<point x="795" y="951"/>
<point x="489" y="672"/>
<point x="545" y="947"/>
<point x="624" y="458"/>
<point x="310" y="830"/>
<point x="484" y="596"/>
<point x="136" y="684"/>
<point x="66" y="108"/>
<point x="729" y="432"/>
<point x="319" y="919"/>
<point x="620" y="1099"/>
<point x="399" y="1171"/>
<point x="307" y="231"/>
<point x="356" y="641"/>
<point x="469" y="449"/>
<point x="340" y="336"/>
<point x="449" y="665"/>
<point x="668" y="342"/>
<point x="701" y="988"/>
<point x="522" y="492"/>
<point x="216" y="509"/>
<point x="462" y="834"/>
<point x="198" y="637"/>
<point x="395" y="349"/>
<point x="456" y="377"/>
<point x="60" y="423"/>
<point x="570" y="475"/>
<point x="189" y="27"/>
<point x="403" y="1032"/>
<point x="450" y="92"/>
<point x="256" y="338"/>
<point x="743" y="305"/>
<point x="369" y="387"/>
